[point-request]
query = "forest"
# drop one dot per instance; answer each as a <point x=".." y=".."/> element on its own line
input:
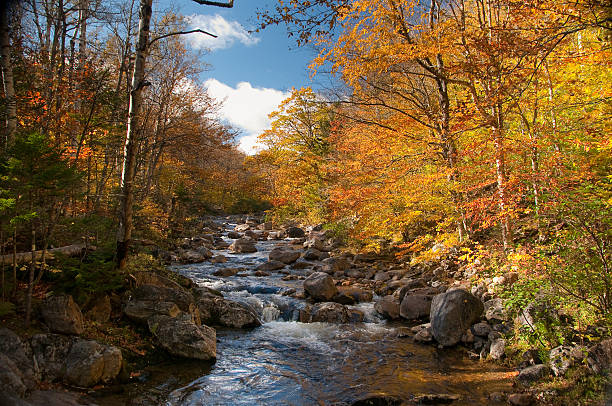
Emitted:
<point x="462" y="144"/>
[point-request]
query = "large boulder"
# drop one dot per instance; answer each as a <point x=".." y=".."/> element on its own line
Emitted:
<point x="76" y="361"/>
<point x="215" y="310"/>
<point x="141" y="310"/>
<point x="286" y="256"/>
<point x="320" y="286"/>
<point x="11" y="377"/>
<point x="388" y="307"/>
<point x="183" y="338"/>
<point x="50" y="352"/>
<point x="330" y="312"/>
<point x="414" y="307"/>
<point x="243" y="246"/>
<point x="181" y="297"/>
<point x="62" y="315"/>
<point x="452" y="313"/>
<point x="90" y="362"/>
<point x="20" y="353"/>
<point x="600" y="356"/>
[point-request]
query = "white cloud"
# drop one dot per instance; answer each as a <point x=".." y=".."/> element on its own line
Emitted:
<point x="227" y="32"/>
<point x="247" y="108"/>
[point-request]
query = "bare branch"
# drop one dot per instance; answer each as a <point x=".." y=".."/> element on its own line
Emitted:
<point x="229" y="4"/>
<point x="181" y="33"/>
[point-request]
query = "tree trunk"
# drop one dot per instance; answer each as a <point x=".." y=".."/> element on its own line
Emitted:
<point x="7" y="74"/>
<point x="124" y="234"/>
<point x="28" y="314"/>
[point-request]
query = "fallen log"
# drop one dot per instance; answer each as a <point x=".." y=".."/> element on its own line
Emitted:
<point x="69" y="250"/>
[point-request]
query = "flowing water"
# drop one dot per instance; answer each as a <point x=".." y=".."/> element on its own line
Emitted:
<point x="285" y="362"/>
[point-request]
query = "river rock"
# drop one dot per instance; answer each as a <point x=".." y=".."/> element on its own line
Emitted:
<point x="497" y="349"/>
<point x="414" y="307"/>
<point x="62" y="315"/>
<point x="243" y="246"/>
<point x="11" y="377"/>
<point x="215" y="310"/>
<point x="312" y="254"/>
<point x="183" y="298"/>
<point x="101" y="310"/>
<point x="233" y="235"/>
<point x="600" y="356"/>
<point x="334" y="264"/>
<point x="360" y="295"/>
<point x="388" y="306"/>
<point x="295" y="232"/>
<point x="90" y="362"/>
<point x="194" y="256"/>
<point x="225" y="272"/>
<point x="452" y="313"/>
<point x="533" y="373"/>
<point x="242" y="227"/>
<point x="218" y="259"/>
<point x="481" y="329"/>
<point x="50" y="352"/>
<point x="495" y="311"/>
<point x="20" y="353"/>
<point x="330" y="312"/>
<point x="141" y="310"/>
<point x="299" y="264"/>
<point x="271" y="265"/>
<point x="181" y="337"/>
<point x="320" y="287"/>
<point x="520" y="399"/>
<point x="286" y="256"/>
<point x="560" y="359"/>
<point x="424" y="335"/>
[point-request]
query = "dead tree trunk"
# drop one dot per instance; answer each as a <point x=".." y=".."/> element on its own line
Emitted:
<point x="7" y="74"/>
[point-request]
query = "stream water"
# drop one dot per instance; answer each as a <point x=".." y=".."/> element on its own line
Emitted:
<point x="285" y="362"/>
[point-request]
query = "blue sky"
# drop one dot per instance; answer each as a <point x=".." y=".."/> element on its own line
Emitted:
<point x="252" y="73"/>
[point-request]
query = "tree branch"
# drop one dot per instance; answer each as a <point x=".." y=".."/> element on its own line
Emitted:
<point x="229" y="4"/>
<point x="180" y="33"/>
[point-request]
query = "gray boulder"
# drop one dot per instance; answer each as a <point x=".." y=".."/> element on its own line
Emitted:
<point x="533" y="373"/>
<point x="183" y="338"/>
<point x="285" y="256"/>
<point x="333" y="265"/>
<point x="90" y="362"/>
<point x="20" y="353"/>
<point x="320" y="287"/>
<point x="141" y="310"/>
<point x="62" y="315"/>
<point x="452" y="313"/>
<point x="181" y="297"/>
<point x="50" y="352"/>
<point x="11" y="377"/>
<point x="388" y="306"/>
<point x="215" y="310"/>
<point x="600" y="356"/>
<point x="498" y="348"/>
<point x="415" y="307"/>
<point x="243" y="246"/>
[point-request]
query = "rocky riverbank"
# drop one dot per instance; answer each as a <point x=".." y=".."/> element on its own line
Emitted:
<point x="434" y="303"/>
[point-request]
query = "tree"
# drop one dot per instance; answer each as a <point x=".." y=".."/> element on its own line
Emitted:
<point x="124" y="234"/>
<point x="7" y="73"/>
